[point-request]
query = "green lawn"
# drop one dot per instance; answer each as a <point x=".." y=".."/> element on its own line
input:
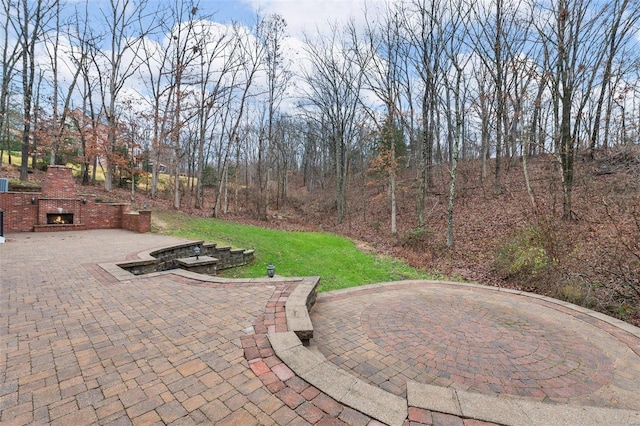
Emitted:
<point x="16" y="157"/>
<point x="334" y="258"/>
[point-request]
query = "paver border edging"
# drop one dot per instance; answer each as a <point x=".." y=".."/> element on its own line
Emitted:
<point x="513" y="411"/>
<point x="337" y="383"/>
<point x="290" y="347"/>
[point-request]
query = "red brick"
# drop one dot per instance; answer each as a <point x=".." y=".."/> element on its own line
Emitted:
<point x="420" y="415"/>
<point x="310" y="393"/>
<point x="283" y="372"/>
<point x="258" y="367"/>
<point x="297" y="384"/>
<point x="272" y="360"/>
<point x="353" y="417"/>
<point x="328" y="405"/>
<point x="251" y="353"/>
<point x="247" y="341"/>
<point x="330" y="421"/>
<point x="267" y="352"/>
<point x="441" y="419"/>
<point x="262" y="342"/>
<point x="276" y="386"/>
<point x="290" y="397"/>
<point x="310" y="412"/>
<point x="59" y="191"/>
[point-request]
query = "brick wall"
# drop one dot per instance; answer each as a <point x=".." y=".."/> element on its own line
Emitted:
<point x="104" y="216"/>
<point x="137" y="221"/>
<point x="19" y="214"/>
<point x="24" y="212"/>
<point x="59" y="183"/>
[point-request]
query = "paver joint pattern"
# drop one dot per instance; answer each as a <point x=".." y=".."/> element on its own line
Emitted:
<point x="478" y="340"/>
<point x="80" y="347"/>
<point x="486" y="347"/>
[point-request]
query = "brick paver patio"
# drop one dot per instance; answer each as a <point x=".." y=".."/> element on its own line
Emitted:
<point x="79" y="346"/>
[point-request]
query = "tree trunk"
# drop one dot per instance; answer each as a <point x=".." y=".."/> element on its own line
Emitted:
<point x="525" y="170"/>
<point x="454" y="166"/>
<point x="392" y="190"/>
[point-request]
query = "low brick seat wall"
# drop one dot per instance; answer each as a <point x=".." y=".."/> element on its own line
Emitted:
<point x="211" y="258"/>
<point x="297" y="308"/>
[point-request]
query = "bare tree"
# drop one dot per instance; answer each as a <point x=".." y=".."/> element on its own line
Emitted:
<point x="122" y="19"/>
<point x="332" y="95"/>
<point x="623" y="16"/>
<point x="422" y="20"/>
<point x="30" y="20"/>
<point x="455" y="33"/>
<point x="573" y="38"/>
<point x="378" y="54"/>
<point x="184" y="51"/>
<point x="71" y="58"/>
<point x="495" y="40"/>
<point x="241" y="81"/>
<point x="219" y="59"/>
<point x="11" y="54"/>
<point x="156" y="62"/>
<point x="86" y="120"/>
<point x="483" y="105"/>
<point x="271" y="33"/>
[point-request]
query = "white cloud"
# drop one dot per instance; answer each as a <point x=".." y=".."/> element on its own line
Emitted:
<point x="307" y="16"/>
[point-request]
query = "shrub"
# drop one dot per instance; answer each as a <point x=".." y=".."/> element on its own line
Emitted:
<point x="523" y="254"/>
<point x="416" y="238"/>
<point x="572" y="293"/>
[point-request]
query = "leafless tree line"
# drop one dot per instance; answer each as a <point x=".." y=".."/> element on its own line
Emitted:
<point x="421" y="83"/>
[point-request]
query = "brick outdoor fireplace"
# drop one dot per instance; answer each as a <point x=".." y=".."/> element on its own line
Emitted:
<point x="60" y="207"/>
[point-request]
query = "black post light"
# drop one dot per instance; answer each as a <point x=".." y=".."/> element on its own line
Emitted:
<point x="196" y="251"/>
<point x="271" y="270"/>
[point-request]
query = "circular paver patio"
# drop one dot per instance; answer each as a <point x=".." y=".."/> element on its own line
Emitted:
<point x="478" y="339"/>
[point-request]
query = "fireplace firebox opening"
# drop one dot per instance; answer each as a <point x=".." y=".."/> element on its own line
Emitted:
<point x="59" y="218"/>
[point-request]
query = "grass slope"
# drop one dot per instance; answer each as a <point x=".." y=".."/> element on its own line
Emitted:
<point x="336" y="259"/>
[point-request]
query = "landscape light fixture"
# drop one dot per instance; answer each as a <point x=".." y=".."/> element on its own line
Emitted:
<point x="196" y="251"/>
<point x="271" y="270"/>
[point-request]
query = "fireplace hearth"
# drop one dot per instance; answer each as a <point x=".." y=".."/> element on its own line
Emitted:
<point x="59" y="218"/>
